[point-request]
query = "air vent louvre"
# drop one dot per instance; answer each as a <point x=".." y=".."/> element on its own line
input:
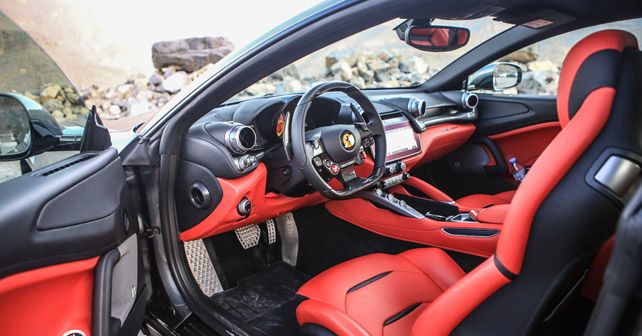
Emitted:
<point x="66" y="165"/>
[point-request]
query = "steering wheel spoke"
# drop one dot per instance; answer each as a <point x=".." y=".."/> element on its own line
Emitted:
<point x="347" y="174"/>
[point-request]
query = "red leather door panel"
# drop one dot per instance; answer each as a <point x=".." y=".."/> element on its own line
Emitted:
<point x="48" y="301"/>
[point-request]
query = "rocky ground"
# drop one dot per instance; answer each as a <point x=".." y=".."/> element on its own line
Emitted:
<point x="181" y="62"/>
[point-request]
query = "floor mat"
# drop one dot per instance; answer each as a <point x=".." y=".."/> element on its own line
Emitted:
<point x="265" y="303"/>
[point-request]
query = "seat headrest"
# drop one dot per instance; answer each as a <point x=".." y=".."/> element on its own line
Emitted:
<point x="591" y="64"/>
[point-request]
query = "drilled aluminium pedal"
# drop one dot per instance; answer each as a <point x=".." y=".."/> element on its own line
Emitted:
<point x="271" y="230"/>
<point x="202" y="268"/>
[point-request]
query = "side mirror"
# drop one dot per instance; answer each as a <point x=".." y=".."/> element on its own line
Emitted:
<point x="15" y="129"/>
<point x="436" y="38"/>
<point x="496" y="77"/>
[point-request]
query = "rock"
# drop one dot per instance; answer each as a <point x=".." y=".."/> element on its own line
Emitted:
<point x="385" y="55"/>
<point x="105" y="105"/>
<point x="109" y="93"/>
<point x="340" y="55"/>
<point x="123" y="89"/>
<point x="525" y="55"/>
<point x="382" y="76"/>
<point x="32" y="96"/>
<point x="358" y="82"/>
<point x="137" y="106"/>
<point x="58" y="115"/>
<point x="68" y="112"/>
<point x="342" y="71"/>
<point x="416" y="64"/>
<point x="291" y="71"/>
<point x="190" y="54"/>
<point x="545" y="65"/>
<point x="403" y="66"/>
<point x="50" y="91"/>
<point x="114" y="110"/>
<point x="361" y="66"/>
<point x="377" y="64"/>
<point x="260" y="89"/>
<point x="175" y="82"/>
<point x="53" y="105"/>
<point x="368" y="75"/>
<point x="294" y="85"/>
<point x="393" y="62"/>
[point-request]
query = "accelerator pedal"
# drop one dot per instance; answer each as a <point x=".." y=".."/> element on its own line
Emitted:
<point x="248" y="235"/>
<point x="271" y="230"/>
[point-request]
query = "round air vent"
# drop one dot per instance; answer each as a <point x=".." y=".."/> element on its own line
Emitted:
<point x="417" y="107"/>
<point x="240" y="139"/>
<point x="199" y="195"/>
<point x="469" y="100"/>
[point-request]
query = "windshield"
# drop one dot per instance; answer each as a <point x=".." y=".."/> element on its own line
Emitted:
<point x="374" y="58"/>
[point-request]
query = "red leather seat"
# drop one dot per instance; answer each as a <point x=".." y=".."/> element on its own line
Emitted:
<point x="348" y="300"/>
<point x="558" y="219"/>
<point x="479" y="201"/>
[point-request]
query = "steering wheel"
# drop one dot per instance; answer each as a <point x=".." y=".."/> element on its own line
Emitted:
<point x="336" y="149"/>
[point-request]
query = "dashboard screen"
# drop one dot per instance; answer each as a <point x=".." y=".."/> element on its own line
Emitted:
<point x="401" y="139"/>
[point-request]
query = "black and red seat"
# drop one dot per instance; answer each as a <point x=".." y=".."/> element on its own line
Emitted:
<point x="558" y="220"/>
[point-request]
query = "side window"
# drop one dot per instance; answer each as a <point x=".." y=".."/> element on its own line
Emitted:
<point x="42" y="116"/>
<point x="541" y="62"/>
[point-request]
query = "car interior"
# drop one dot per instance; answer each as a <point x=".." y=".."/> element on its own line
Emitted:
<point x="428" y="210"/>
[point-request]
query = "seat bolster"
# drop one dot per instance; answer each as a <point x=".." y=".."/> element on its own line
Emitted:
<point x="506" y="195"/>
<point x="332" y="284"/>
<point x="478" y="201"/>
<point x="443" y="315"/>
<point x="436" y="264"/>
<point x="331" y="318"/>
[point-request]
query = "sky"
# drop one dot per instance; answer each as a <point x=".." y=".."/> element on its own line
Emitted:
<point x="101" y="42"/>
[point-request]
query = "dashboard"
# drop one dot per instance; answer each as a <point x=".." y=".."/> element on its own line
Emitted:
<point x="239" y="148"/>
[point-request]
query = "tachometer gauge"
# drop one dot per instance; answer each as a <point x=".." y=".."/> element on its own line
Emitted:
<point x="280" y="125"/>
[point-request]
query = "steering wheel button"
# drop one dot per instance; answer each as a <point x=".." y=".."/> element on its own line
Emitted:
<point x="327" y="163"/>
<point x="335" y="169"/>
<point x="317" y="161"/>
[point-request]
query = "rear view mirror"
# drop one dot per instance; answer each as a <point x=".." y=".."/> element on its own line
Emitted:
<point x="15" y="129"/>
<point x="436" y="38"/>
<point x="496" y="77"/>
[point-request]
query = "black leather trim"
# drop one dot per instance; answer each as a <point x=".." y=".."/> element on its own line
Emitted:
<point x="503" y="270"/>
<point x="598" y="70"/>
<point x="310" y="329"/>
<point x="24" y="245"/>
<point x="368" y="281"/>
<point x="401" y="314"/>
<point x="101" y="307"/>
<point x="471" y="232"/>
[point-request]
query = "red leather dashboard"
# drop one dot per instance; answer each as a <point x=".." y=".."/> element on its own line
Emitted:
<point x="265" y="205"/>
<point x="436" y="142"/>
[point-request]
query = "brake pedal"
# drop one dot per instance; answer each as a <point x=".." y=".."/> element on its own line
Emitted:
<point x="248" y="236"/>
